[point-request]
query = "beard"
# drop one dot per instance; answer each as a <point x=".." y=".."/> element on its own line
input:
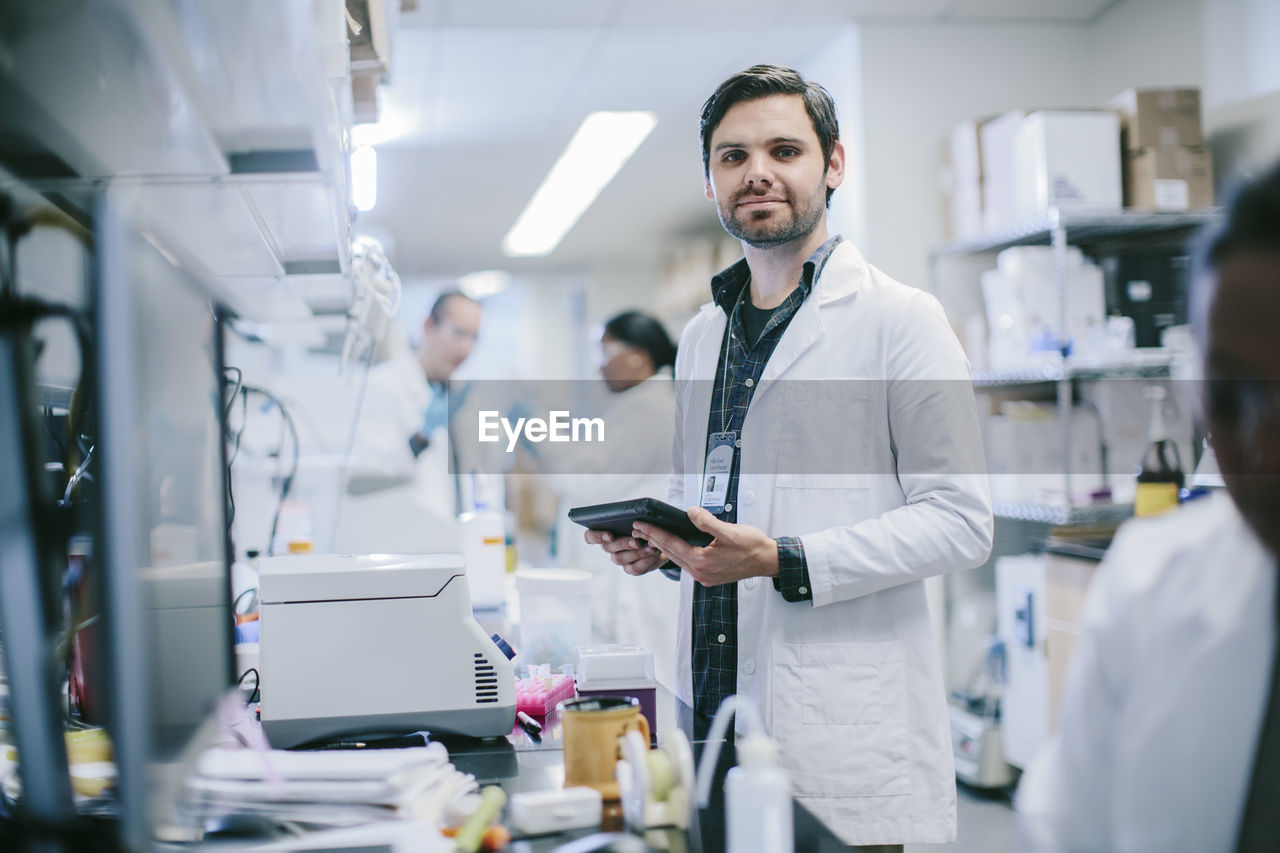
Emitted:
<point x="768" y="228"/>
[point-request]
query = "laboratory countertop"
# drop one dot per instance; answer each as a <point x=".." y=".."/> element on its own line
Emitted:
<point x="521" y="762"/>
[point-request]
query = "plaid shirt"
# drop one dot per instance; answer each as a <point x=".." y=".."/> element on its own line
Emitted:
<point x="715" y="609"/>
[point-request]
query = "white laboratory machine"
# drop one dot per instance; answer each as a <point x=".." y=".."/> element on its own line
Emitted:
<point x="360" y="645"/>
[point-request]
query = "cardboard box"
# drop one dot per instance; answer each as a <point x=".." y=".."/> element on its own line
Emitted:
<point x="1068" y="159"/>
<point x="1162" y="178"/>
<point x="1165" y="117"/>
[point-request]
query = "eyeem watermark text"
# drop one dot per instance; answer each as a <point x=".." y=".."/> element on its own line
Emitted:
<point x="558" y="427"/>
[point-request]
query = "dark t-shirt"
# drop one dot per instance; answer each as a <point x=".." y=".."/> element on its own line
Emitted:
<point x="754" y="319"/>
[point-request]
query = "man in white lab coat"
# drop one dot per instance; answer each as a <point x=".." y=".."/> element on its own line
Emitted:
<point x="1169" y="733"/>
<point x="832" y="406"/>
<point x="403" y="429"/>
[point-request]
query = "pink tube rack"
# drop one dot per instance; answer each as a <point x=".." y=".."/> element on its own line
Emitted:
<point x="540" y="692"/>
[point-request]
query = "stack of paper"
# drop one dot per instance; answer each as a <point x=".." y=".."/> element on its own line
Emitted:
<point x="339" y="787"/>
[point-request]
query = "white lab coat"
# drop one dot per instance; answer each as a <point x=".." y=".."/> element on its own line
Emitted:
<point x="395" y="404"/>
<point x="1165" y="692"/>
<point x="644" y="609"/>
<point x="849" y="685"/>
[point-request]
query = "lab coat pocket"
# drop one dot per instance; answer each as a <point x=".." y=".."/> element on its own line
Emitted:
<point x="839" y="716"/>
<point x="827" y="434"/>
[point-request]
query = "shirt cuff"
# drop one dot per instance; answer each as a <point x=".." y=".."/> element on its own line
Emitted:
<point x="793" y="570"/>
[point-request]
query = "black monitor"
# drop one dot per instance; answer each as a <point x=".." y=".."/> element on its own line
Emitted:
<point x="164" y="550"/>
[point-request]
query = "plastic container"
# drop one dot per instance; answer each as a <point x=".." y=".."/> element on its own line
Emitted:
<point x="620" y="670"/>
<point x="484" y="548"/>
<point x="540" y="692"/>
<point x="757" y="792"/>
<point x="555" y="614"/>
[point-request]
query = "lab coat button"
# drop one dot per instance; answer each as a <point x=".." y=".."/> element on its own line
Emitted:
<point x="749" y="667"/>
<point x="752" y="582"/>
<point x="748" y="497"/>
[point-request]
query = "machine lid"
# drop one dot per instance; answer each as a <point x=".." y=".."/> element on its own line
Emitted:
<point x="328" y="577"/>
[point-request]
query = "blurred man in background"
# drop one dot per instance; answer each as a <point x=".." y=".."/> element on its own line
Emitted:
<point x="1169" y="733"/>
<point x="404" y="424"/>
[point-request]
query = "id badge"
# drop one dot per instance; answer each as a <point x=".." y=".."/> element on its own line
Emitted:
<point x="715" y="473"/>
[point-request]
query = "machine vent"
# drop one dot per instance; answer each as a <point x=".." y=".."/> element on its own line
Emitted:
<point x="486" y="681"/>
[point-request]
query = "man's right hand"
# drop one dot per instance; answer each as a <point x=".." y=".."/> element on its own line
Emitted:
<point x="634" y="555"/>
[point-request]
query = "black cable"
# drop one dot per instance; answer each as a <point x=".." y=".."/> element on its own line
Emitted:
<point x="231" y="399"/>
<point x="287" y="484"/>
<point x="231" y="502"/>
<point x="244" y="420"/>
<point x="231" y="459"/>
<point x="257" y="685"/>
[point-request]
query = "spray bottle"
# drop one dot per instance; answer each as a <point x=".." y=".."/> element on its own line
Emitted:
<point x="1160" y="475"/>
<point x="757" y="792"/>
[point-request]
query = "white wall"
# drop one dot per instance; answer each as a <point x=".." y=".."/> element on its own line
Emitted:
<point x="837" y="66"/>
<point x="1242" y="88"/>
<point x="918" y="80"/>
<point x="1147" y="43"/>
<point x="1241" y="59"/>
<point x="921" y="79"/>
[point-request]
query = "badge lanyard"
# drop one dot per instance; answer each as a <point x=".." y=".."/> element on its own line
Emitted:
<point x="723" y="444"/>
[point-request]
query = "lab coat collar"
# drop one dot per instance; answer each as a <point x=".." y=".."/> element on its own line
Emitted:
<point x="727" y="285"/>
<point x="842" y="274"/>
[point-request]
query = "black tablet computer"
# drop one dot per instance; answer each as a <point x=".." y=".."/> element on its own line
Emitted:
<point x="618" y="517"/>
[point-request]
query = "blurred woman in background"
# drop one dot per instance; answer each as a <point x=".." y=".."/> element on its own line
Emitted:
<point x="637" y="358"/>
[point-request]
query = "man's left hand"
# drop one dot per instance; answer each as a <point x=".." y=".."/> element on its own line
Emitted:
<point x="739" y="550"/>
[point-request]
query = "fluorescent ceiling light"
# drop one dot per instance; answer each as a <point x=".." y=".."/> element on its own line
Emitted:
<point x="484" y="283"/>
<point x="602" y="145"/>
<point x="364" y="178"/>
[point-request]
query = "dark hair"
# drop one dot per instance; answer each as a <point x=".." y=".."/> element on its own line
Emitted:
<point x="760" y="81"/>
<point x="1252" y="223"/>
<point x="1253" y="219"/>
<point x="637" y="329"/>
<point x="438" y="307"/>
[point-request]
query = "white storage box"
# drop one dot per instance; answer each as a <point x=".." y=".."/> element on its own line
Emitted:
<point x="998" y="144"/>
<point x="540" y="812"/>
<point x="621" y="669"/>
<point x="1068" y="159"/>
<point x="965" y="156"/>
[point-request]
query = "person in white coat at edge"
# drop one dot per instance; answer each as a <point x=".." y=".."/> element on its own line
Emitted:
<point x="1169" y="732"/>
<point x="837" y="403"/>
<point x="403" y="427"/>
<point x="638" y="355"/>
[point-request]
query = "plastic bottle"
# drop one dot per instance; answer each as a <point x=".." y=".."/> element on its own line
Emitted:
<point x="484" y="547"/>
<point x="757" y="792"/>
<point x="1160" y="476"/>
